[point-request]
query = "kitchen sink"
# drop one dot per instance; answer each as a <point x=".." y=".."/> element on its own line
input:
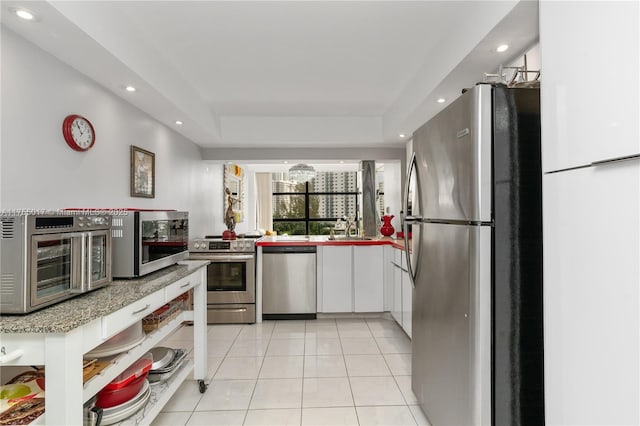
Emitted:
<point x="351" y="238"/>
<point x="292" y="238"/>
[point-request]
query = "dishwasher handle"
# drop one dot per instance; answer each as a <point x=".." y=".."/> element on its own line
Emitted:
<point x="288" y="249"/>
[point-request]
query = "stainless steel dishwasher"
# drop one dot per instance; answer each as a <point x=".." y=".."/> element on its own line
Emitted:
<point x="289" y="282"/>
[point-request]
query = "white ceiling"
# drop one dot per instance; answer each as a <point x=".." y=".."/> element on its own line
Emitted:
<point x="283" y="73"/>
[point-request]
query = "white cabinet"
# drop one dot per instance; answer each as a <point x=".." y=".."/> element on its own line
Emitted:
<point x="396" y="308"/>
<point x="590" y="109"/>
<point x="368" y="278"/>
<point x="407" y="295"/>
<point x="336" y="278"/>
<point x="590" y="83"/>
<point x="591" y="305"/>
<point x="402" y="292"/>
<point x="388" y="253"/>
<point x="396" y="311"/>
<point x="350" y="279"/>
<point x="60" y="346"/>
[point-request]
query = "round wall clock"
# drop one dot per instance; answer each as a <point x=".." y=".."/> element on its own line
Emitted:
<point x="78" y="132"/>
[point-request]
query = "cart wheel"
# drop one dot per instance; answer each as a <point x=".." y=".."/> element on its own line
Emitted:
<point x="202" y="386"/>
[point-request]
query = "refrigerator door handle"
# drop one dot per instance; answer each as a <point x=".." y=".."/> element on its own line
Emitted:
<point x="414" y="220"/>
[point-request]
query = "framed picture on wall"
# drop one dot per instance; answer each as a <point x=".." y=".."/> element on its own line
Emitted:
<point x="143" y="173"/>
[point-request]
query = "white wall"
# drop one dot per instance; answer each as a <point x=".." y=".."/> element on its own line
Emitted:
<point x="39" y="170"/>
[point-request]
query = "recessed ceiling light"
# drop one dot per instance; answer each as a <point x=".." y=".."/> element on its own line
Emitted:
<point x="25" y="14"/>
<point x="179" y="123"/>
<point x="402" y="135"/>
<point x="502" y="48"/>
<point x="441" y="100"/>
<point x="130" y="89"/>
<point x="341" y="162"/>
<point x="285" y="162"/>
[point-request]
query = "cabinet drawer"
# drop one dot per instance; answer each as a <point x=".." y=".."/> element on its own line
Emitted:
<point x="21" y="349"/>
<point x="176" y="289"/>
<point x="123" y="318"/>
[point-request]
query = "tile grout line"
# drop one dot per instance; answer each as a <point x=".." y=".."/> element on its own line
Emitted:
<point x="344" y="360"/>
<point x="396" y="381"/>
<point x="253" y="392"/>
<point x="304" y="352"/>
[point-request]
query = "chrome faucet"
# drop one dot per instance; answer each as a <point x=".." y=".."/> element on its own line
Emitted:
<point x="350" y="223"/>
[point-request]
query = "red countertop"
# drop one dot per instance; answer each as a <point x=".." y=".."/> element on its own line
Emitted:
<point x="323" y="240"/>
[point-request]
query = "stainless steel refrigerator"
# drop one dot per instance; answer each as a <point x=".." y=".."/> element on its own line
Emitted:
<point x="473" y="207"/>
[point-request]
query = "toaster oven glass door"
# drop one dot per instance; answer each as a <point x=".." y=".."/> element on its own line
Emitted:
<point x="99" y="262"/>
<point x="62" y="264"/>
<point x="52" y="266"/>
<point x="163" y="238"/>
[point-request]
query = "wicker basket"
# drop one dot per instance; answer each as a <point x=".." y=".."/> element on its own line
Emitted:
<point x="160" y="317"/>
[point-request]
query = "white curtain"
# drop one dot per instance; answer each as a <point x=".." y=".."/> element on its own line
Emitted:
<point x="264" y="212"/>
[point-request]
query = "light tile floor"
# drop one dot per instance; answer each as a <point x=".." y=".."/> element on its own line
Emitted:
<point x="352" y="371"/>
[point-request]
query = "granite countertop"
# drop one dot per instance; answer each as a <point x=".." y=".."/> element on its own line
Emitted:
<point x="323" y="240"/>
<point x="65" y="316"/>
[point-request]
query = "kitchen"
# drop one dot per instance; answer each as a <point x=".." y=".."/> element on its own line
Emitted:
<point x="591" y="310"/>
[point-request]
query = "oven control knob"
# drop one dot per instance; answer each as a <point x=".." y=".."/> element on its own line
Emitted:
<point x="196" y="245"/>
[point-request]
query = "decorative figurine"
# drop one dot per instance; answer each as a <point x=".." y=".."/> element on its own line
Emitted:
<point x="229" y="217"/>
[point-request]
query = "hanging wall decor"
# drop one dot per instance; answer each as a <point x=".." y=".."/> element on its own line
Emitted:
<point x="233" y="193"/>
<point x="143" y="173"/>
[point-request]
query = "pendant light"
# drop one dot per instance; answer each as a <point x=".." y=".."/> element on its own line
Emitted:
<point x="302" y="173"/>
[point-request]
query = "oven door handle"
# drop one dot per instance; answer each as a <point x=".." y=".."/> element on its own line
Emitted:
<point x="218" y="259"/>
<point x="236" y="310"/>
<point x="81" y="284"/>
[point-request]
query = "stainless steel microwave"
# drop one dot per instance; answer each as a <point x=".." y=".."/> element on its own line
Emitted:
<point x="145" y="241"/>
<point x="50" y="257"/>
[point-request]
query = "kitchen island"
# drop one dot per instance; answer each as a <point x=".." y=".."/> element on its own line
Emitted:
<point x="353" y="275"/>
<point x="58" y="336"/>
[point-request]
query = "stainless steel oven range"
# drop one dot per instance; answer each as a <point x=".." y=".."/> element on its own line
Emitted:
<point x="231" y="278"/>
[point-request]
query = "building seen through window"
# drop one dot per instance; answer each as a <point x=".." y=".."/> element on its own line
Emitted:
<point x="312" y="208"/>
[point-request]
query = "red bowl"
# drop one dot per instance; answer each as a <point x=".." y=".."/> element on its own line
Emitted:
<point x="108" y="398"/>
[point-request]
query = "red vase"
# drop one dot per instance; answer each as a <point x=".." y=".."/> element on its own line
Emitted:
<point x="387" y="229"/>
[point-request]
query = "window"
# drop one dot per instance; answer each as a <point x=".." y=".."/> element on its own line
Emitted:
<point x="312" y="208"/>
